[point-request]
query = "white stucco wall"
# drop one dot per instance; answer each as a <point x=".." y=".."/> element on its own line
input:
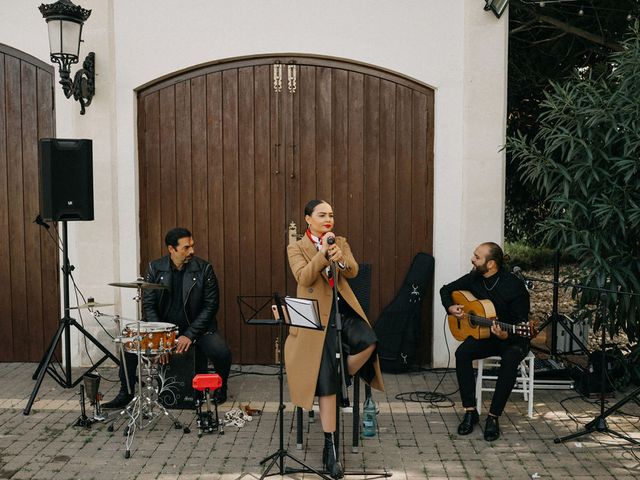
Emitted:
<point x="453" y="46"/>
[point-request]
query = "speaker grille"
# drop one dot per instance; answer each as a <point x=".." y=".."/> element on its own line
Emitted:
<point x="66" y="179"/>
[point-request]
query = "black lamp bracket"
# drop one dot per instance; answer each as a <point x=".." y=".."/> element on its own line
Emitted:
<point x="83" y="85"/>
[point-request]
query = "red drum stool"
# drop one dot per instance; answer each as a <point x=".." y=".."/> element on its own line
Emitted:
<point x="207" y="422"/>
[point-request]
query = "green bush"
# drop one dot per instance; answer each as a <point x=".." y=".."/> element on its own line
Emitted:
<point x="585" y="161"/>
<point x="529" y="257"/>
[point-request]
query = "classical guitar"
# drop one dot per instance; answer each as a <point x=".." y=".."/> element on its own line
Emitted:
<point x="478" y="317"/>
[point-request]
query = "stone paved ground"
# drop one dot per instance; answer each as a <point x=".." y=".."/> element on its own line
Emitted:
<point x="415" y="440"/>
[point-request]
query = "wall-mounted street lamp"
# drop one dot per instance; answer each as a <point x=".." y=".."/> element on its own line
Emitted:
<point x="496" y="6"/>
<point x="65" y="21"/>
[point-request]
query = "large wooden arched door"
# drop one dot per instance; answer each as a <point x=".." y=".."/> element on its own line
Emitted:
<point x="233" y="151"/>
<point x="29" y="295"/>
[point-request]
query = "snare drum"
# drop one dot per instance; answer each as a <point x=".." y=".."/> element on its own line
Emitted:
<point x="157" y="337"/>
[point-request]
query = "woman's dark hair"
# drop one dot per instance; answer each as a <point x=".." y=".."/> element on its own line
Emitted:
<point x="496" y="254"/>
<point x="174" y="235"/>
<point x="311" y="206"/>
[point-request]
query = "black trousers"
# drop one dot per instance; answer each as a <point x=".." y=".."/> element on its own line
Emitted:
<point x="211" y="345"/>
<point x="511" y="352"/>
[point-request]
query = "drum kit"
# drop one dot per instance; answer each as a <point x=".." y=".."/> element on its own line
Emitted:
<point x="150" y="342"/>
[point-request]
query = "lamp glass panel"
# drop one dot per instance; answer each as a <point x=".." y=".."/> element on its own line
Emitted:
<point x="55" y="39"/>
<point x="71" y="38"/>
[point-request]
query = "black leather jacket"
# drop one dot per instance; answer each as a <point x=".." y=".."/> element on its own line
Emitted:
<point x="199" y="292"/>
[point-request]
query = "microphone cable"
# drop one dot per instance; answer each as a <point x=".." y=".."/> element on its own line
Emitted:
<point x="433" y="397"/>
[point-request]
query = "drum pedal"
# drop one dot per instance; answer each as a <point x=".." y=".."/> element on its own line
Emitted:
<point x="206" y="419"/>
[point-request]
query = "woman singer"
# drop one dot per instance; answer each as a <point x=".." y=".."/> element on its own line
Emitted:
<point x="310" y="355"/>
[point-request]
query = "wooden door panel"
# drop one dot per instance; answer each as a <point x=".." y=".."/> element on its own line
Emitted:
<point x="29" y="299"/>
<point x="199" y="164"/>
<point x="357" y="137"/>
<point x="166" y="200"/>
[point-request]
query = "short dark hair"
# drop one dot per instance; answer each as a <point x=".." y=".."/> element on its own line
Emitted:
<point x="311" y="206"/>
<point x="495" y="253"/>
<point x="174" y="235"/>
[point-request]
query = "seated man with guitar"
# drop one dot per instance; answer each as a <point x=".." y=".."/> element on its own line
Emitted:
<point x="488" y="311"/>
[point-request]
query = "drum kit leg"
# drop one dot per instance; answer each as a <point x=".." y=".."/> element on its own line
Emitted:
<point x="150" y="342"/>
<point x="145" y="408"/>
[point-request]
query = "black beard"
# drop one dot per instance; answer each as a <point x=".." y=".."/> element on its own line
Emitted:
<point x="479" y="270"/>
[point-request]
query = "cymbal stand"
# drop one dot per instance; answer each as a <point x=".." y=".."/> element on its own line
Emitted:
<point x="144" y="408"/>
<point x="118" y="340"/>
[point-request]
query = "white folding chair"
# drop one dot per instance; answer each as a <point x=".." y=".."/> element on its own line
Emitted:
<point x="524" y="381"/>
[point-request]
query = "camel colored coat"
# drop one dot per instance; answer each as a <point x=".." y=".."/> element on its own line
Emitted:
<point x="303" y="348"/>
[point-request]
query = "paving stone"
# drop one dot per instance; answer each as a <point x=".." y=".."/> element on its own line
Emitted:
<point x="415" y="441"/>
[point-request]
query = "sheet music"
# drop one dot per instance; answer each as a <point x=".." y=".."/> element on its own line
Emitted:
<point x="303" y="312"/>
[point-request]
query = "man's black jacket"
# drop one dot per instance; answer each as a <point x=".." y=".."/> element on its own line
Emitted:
<point x="200" y="295"/>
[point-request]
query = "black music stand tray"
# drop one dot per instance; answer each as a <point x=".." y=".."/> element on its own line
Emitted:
<point x="282" y="317"/>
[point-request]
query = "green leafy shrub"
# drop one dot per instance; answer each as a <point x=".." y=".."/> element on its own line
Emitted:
<point x="585" y="162"/>
<point x="529" y="257"/>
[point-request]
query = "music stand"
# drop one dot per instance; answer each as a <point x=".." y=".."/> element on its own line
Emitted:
<point x="294" y="312"/>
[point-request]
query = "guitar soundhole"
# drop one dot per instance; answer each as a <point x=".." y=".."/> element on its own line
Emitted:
<point x="471" y="314"/>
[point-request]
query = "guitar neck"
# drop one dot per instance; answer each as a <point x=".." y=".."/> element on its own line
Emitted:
<point x="487" y="322"/>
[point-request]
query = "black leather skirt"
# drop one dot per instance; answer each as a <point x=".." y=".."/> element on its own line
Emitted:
<point x="357" y="335"/>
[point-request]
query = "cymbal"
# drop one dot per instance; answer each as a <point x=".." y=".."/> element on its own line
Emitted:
<point x="139" y="284"/>
<point x="91" y="304"/>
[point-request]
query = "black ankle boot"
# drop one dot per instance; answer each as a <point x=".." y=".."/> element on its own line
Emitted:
<point x="122" y="400"/>
<point x="330" y="457"/>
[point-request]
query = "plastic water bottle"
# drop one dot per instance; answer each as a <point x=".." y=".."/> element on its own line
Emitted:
<point x="369" y="419"/>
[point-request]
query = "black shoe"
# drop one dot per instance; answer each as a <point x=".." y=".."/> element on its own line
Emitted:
<point x="470" y="418"/>
<point x="330" y="458"/>
<point x="122" y="400"/>
<point x="491" y="429"/>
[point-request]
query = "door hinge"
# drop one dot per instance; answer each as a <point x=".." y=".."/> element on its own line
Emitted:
<point x="292" y="80"/>
<point x="277" y="77"/>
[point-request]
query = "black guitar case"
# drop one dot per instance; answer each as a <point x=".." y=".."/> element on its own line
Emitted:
<point x="398" y="327"/>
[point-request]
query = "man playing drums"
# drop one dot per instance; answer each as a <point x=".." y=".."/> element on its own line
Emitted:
<point x="190" y="302"/>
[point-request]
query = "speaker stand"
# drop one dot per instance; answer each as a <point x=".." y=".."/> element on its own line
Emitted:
<point x="46" y="365"/>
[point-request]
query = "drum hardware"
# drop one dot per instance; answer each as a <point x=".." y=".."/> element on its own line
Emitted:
<point x="91" y="304"/>
<point x="140" y="284"/>
<point x="92" y="387"/>
<point x="149" y="341"/>
<point x="206" y="420"/>
<point x="83" y="421"/>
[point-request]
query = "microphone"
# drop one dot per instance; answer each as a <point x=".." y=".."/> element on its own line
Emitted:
<point x="331" y="240"/>
<point x="517" y="271"/>
<point x="41" y="222"/>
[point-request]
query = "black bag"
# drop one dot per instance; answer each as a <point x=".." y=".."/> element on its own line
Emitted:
<point x="398" y="327"/>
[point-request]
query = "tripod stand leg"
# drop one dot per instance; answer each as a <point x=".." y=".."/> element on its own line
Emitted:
<point x="44" y="363"/>
<point x="42" y="368"/>
<point x="96" y="342"/>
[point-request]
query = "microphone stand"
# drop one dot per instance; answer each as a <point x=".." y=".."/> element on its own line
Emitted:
<point x="555" y="318"/>
<point x="342" y="398"/>
<point x="599" y="423"/>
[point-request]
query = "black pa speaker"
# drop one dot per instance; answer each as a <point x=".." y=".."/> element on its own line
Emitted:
<point x="66" y="179"/>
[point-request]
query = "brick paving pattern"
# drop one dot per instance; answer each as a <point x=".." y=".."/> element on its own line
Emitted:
<point x="415" y="440"/>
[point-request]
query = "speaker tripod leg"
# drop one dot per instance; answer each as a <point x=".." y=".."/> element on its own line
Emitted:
<point x="44" y="364"/>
